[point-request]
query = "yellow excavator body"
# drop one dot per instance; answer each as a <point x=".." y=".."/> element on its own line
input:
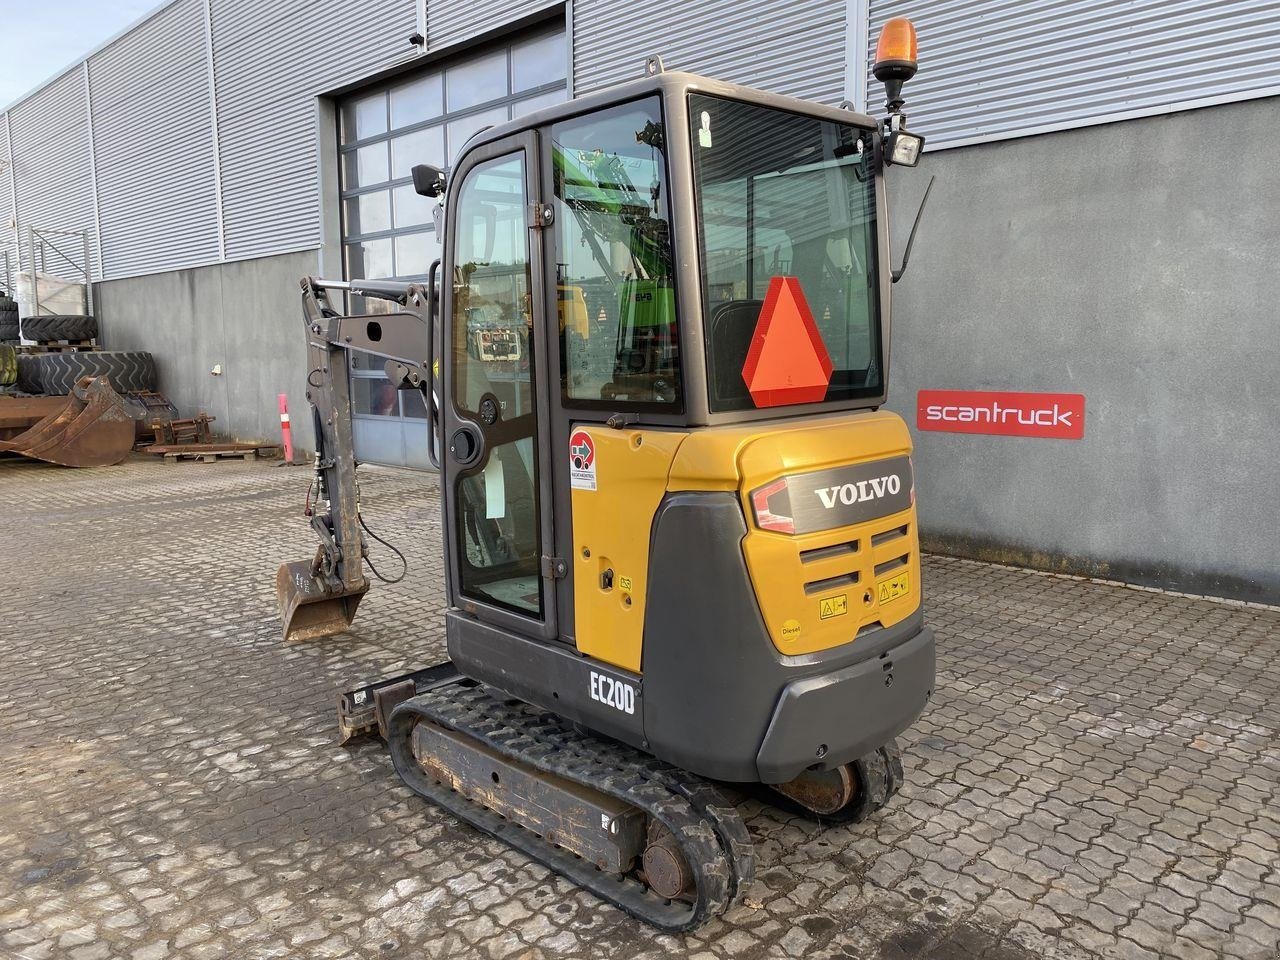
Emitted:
<point x="680" y="531"/>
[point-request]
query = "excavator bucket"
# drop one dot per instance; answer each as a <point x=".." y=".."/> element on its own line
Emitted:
<point x="88" y="428"/>
<point x="308" y="609"/>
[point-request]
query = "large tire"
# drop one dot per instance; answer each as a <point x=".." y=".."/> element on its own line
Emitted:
<point x="7" y="303"/>
<point x="59" y="327"/>
<point x="8" y="325"/>
<point x="129" y="372"/>
<point x="29" y="374"/>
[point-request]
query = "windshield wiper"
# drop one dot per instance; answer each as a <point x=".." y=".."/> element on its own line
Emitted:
<point x="906" y="255"/>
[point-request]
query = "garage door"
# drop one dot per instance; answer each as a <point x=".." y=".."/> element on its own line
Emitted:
<point x="387" y="228"/>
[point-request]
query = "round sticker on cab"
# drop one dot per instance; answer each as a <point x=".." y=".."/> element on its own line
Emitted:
<point x="791" y="629"/>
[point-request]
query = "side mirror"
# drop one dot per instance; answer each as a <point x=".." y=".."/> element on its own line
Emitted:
<point x="428" y="181"/>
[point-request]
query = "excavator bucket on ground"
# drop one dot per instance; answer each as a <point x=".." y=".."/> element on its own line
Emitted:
<point x="309" y="608"/>
<point x="89" y="427"/>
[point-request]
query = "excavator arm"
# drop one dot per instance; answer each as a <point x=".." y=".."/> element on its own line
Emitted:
<point x="318" y="597"/>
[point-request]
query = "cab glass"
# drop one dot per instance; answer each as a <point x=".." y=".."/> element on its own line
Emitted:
<point x="787" y="235"/>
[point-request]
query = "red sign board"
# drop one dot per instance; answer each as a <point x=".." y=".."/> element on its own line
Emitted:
<point x="1056" y="416"/>
<point x="787" y="361"/>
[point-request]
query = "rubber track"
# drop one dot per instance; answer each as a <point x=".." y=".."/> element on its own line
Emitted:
<point x="880" y="775"/>
<point x="711" y="834"/>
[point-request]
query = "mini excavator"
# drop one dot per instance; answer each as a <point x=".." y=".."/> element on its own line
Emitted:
<point x="680" y="533"/>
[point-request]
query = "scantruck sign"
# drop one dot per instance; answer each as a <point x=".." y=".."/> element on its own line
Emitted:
<point x="1055" y="416"/>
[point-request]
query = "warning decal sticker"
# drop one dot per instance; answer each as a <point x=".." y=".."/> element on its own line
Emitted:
<point x="833" y="607"/>
<point x="582" y="461"/>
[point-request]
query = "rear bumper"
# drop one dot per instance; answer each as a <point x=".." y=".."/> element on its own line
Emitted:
<point x="835" y="717"/>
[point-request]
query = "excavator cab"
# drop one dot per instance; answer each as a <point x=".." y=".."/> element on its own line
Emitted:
<point x="680" y="533"/>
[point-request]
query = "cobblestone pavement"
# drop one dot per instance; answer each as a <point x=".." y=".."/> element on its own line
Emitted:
<point x="1096" y="777"/>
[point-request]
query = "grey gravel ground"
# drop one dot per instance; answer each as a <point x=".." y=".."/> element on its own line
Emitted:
<point x="1097" y="775"/>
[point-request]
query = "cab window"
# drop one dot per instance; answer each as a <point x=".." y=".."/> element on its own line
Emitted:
<point x="615" y="283"/>
<point x="787" y="235"/>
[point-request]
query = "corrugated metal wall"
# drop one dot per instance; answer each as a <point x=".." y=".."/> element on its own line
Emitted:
<point x="156" y="197"/>
<point x="991" y="69"/>
<point x="1004" y="68"/>
<point x="452" y="21"/>
<point x="50" y="144"/>
<point x="270" y="62"/>
<point x="794" y="47"/>
<point x="7" y="237"/>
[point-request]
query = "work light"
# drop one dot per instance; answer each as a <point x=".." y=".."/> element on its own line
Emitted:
<point x="903" y="148"/>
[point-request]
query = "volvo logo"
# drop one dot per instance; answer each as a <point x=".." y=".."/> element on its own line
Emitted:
<point x="863" y="490"/>
<point x="835" y="497"/>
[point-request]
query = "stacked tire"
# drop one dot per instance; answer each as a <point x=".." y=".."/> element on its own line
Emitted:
<point x="28" y="374"/>
<point x="129" y="371"/>
<point x="8" y="319"/>
<point x="52" y="328"/>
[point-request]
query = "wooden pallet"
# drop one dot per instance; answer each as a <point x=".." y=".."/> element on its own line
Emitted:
<point x="59" y="346"/>
<point x="208" y="452"/>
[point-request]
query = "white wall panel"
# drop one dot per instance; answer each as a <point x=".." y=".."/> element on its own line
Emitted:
<point x="7" y="235"/>
<point x="795" y="47"/>
<point x="49" y="148"/>
<point x="452" y="21"/>
<point x="1002" y="68"/>
<point x="270" y="62"/>
<point x="153" y="145"/>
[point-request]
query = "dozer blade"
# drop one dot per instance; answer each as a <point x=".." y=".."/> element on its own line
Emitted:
<point x="307" y="609"/>
<point x="89" y="428"/>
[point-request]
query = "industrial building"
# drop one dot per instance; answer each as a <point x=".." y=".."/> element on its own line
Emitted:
<point x="1102" y="225"/>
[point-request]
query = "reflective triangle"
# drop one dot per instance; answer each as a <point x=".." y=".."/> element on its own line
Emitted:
<point x="787" y="361"/>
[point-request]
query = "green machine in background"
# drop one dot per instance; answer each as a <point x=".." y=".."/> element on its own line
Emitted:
<point x="596" y="183"/>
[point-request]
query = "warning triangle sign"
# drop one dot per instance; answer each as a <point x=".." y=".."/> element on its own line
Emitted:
<point x="787" y="361"/>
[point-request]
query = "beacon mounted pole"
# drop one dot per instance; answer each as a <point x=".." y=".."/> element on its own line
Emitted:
<point x="896" y="63"/>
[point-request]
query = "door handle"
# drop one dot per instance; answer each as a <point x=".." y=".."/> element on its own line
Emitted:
<point x="429" y="394"/>
<point x="466" y="444"/>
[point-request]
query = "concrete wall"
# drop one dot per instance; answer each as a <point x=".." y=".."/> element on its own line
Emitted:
<point x="1134" y="263"/>
<point x="245" y="316"/>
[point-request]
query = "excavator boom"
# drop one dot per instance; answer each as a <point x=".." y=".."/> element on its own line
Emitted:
<point x="319" y="597"/>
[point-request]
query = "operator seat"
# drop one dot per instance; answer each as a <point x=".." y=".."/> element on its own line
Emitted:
<point x="733" y="323"/>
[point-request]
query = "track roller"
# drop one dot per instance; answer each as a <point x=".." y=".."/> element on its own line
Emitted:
<point x="848" y="793"/>
<point x="660" y="843"/>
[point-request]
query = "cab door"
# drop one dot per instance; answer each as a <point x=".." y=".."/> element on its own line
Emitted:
<point x="494" y="421"/>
